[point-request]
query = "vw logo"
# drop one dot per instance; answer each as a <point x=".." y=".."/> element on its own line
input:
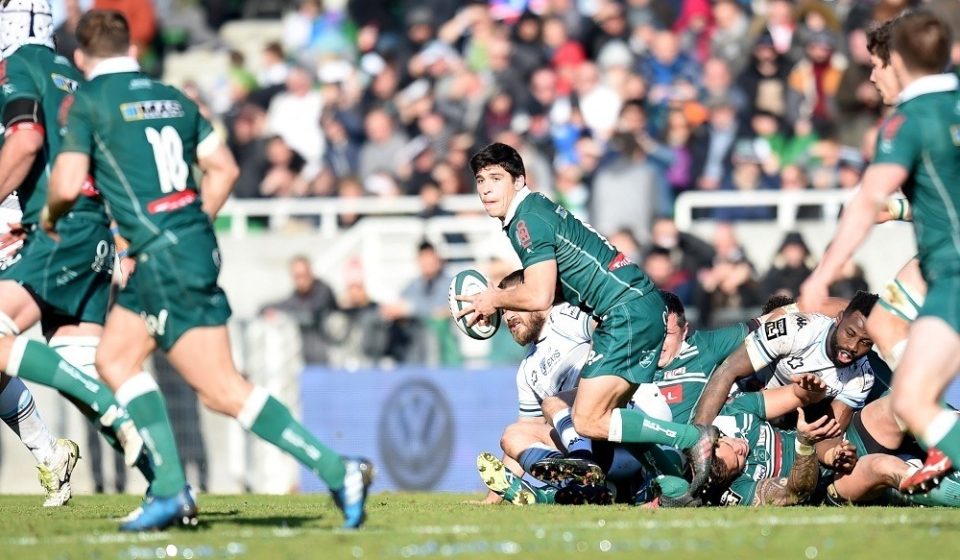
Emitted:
<point x="415" y="435"/>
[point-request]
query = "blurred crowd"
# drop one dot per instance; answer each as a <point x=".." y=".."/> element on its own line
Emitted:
<point x="617" y="107"/>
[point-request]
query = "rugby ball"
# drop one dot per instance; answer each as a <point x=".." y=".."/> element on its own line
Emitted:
<point x="468" y="283"/>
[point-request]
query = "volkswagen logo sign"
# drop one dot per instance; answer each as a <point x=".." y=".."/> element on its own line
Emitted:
<point x="416" y="435"/>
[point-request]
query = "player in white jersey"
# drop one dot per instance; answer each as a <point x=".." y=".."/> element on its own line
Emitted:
<point x="56" y="458"/>
<point x="833" y="349"/>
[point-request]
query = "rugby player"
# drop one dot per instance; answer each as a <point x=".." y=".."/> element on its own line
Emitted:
<point x="833" y="349"/>
<point x="64" y="284"/>
<point x="560" y="253"/>
<point x="140" y="138"/>
<point x="917" y="152"/>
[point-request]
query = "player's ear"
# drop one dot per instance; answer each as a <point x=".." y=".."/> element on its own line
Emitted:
<point x="133" y="52"/>
<point x="80" y="59"/>
<point x="519" y="182"/>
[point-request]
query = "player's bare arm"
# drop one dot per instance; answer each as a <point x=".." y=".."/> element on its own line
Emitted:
<point x="220" y="172"/>
<point x="736" y="366"/>
<point x="806" y="389"/>
<point x="66" y="182"/>
<point x="879" y="182"/>
<point x="536" y="293"/>
<point x="802" y="480"/>
<point x="23" y="142"/>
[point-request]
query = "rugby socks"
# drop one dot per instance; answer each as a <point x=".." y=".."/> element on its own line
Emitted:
<point x="271" y="420"/>
<point x="145" y="405"/>
<point x="576" y="445"/>
<point x="536" y="453"/>
<point x="666" y="461"/>
<point x="944" y="434"/>
<point x="19" y="411"/>
<point x="633" y="426"/>
<point x="39" y="363"/>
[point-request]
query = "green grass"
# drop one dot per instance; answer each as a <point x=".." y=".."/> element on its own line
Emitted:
<point x="441" y="525"/>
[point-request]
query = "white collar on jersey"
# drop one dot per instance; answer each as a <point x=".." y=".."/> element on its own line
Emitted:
<point x="935" y="83"/>
<point x="114" y="65"/>
<point x="521" y="194"/>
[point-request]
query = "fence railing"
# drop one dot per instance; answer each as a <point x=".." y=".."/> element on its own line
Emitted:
<point x="786" y="203"/>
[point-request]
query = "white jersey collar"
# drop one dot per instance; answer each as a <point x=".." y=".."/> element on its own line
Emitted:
<point x="520" y="196"/>
<point x="114" y="65"/>
<point x="935" y="83"/>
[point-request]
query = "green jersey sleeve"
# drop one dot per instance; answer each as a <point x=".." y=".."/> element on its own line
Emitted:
<point x="722" y="342"/>
<point x="78" y="134"/>
<point x="899" y="141"/>
<point x="533" y="239"/>
<point x="748" y="403"/>
<point x="19" y="83"/>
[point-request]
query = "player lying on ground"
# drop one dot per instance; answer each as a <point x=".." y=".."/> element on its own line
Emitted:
<point x="140" y="138"/>
<point x="917" y="153"/>
<point x="833" y="349"/>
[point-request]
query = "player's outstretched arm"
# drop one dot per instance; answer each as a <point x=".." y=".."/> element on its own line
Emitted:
<point x="802" y="480"/>
<point x="220" y="172"/>
<point x="880" y="181"/>
<point x="736" y="366"/>
<point x="806" y="389"/>
<point x="66" y="182"/>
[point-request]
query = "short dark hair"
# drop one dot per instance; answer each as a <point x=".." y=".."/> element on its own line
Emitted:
<point x="675" y="307"/>
<point x="717" y="483"/>
<point x="498" y="154"/>
<point x="776" y="301"/>
<point x="862" y="302"/>
<point x="426" y="246"/>
<point x="878" y="40"/>
<point x="515" y="278"/>
<point x="923" y="41"/>
<point x="103" y="33"/>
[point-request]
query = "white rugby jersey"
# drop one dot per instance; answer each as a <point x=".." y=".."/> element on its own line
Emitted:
<point x="553" y="363"/>
<point x="10" y="213"/>
<point x="797" y="342"/>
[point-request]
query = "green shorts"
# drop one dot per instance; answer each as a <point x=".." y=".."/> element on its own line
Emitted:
<point x="69" y="279"/>
<point x="174" y="287"/>
<point x="628" y="340"/>
<point x="943" y="300"/>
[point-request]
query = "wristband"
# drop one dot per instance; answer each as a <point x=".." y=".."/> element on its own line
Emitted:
<point x="802" y="448"/>
<point x="122" y="253"/>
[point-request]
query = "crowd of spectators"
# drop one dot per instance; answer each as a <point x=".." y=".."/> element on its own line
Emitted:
<point x="617" y="107"/>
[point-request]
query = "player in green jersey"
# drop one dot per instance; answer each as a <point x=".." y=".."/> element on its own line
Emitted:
<point x="63" y="284"/>
<point x="918" y="151"/>
<point x="141" y="138"/>
<point x="565" y="259"/>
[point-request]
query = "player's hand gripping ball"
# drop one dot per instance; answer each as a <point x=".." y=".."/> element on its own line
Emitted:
<point x="468" y="283"/>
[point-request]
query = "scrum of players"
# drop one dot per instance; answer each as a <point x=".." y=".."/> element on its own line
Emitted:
<point x="793" y="407"/>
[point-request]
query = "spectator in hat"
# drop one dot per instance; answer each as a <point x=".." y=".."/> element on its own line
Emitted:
<point x="791" y="266"/>
<point x="814" y="81"/>
<point x="849" y="168"/>
<point x="765" y="80"/>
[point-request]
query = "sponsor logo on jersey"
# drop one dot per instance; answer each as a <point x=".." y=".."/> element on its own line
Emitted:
<point x="673" y="394"/>
<point x="619" y="261"/>
<point x="523" y="234"/>
<point x="156" y="109"/>
<point x="775" y="329"/>
<point x="730" y="498"/>
<point x="547" y="362"/>
<point x="172" y="202"/>
<point x="674" y="373"/>
<point x="64" y="110"/>
<point x="646" y="360"/>
<point x="416" y="435"/>
<point x="64" y="83"/>
<point x="889" y="131"/>
<point x="561" y="211"/>
<point x="801" y="322"/>
<point x="795" y="362"/>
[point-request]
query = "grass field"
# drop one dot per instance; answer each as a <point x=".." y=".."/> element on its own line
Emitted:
<point x="442" y="525"/>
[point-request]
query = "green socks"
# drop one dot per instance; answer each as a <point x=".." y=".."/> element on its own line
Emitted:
<point x="145" y="405"/>
<point x="633" y="426"/>
<point x="37" y="362"/>
<point x="944" y="434"/>
<point x="271" y="420"/>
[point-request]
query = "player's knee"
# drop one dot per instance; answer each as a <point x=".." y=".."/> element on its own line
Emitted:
<point x="590" y="425"/>
<point x="904" y="402"/>
<point x="552" y="405"/>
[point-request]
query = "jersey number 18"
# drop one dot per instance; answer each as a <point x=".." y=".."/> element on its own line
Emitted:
<point x="168" y="153"/>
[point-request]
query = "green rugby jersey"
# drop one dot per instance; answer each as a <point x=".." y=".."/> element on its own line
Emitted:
<point x="923" y="136"/>
<point x="772" y="450"/>
<point x="682" y="381"/>
<point x="143" y="137"/>
<point x="593" y="274"/>
<point x="38" y="73"/>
